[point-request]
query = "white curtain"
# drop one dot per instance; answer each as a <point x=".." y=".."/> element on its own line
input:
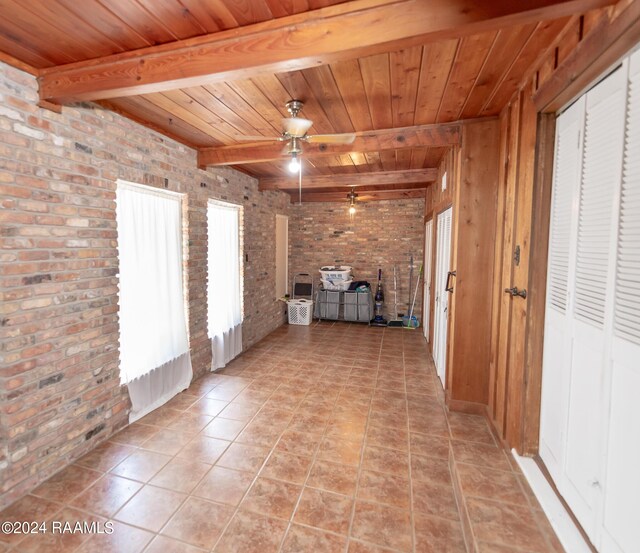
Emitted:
<point x="154" y="348"/>
<point x="224" y="283"/>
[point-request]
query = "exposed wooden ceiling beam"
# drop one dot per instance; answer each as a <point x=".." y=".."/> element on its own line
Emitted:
<point x="368" y="197"/>
<point x="400" y="178"/>
<point x="343" y="31"/>
<point x="369" y="141"/>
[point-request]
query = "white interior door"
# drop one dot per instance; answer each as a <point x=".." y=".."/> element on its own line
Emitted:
<point x="441" y="296"/>
<point x="589" y="429"/>
<point x="428" y="235"/>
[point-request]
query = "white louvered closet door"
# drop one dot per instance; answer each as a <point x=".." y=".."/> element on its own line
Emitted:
<point x="621" y="517"/>
<point x="590" y="428"/>
<point x="592" y="286"/>
<point x="557" y="332"/>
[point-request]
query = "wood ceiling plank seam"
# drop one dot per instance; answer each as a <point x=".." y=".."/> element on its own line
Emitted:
<point x="446" y="86"/>
<point x="142" y="109"/>
<point x="298" y="89"/>
<point x="246" y="111"/>
<point x="418" y="156"/>
<point x="388" y="159"/>
<point x="28" y="57"/>
<point x="506" y="50"/>
<point x="95" y="16"/>
<point x="373" y="161"/>
<point x="251" y="94"/>
<point x="198" y="103"/>
<point x="434" y="155"/>
<point x="403" y="159"/>
<point x="322" y="81"/>
<point x="36" y="44"/>
<point x="180" y="21"/>
<point x="473" y="50"/>
<point x="114" y="106"/>
<point x="274" y="91"/>
<point x="545" y="33"/>
<point x="221" y="13"/>
<point x="220" y="111"/>
<point x="208" y="19"/>
<point x="156" y="33"/>
<point x="376" y="74"/>
<point x="280" y="8"/>
<point x="506" y="72"/>
<point x="479" y="73"/>
<point x="348" y="77"/>
<point x="247" y="12"/>
<point x="437" y="59"/>
<point x="165" y="101"/>
<point x="404" y="71"/>
<point x="74" y="34"/>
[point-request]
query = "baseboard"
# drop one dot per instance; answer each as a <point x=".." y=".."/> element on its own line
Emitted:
<point x="469" y="407"/>
<point x="561" y="520"/>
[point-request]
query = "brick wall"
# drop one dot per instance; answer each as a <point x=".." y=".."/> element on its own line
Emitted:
<point x="381" y="234"/>
<point x="59" y="383"/>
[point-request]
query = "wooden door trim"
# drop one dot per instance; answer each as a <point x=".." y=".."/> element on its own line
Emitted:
<point x="538" y="259"/>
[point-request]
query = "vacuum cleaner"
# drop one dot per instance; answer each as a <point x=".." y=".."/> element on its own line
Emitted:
<point x="379" y="320"/>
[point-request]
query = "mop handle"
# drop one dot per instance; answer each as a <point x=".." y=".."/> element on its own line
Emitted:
<point x="415" y="295"/>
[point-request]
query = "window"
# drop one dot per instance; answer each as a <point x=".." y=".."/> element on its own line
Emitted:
<point x="224" y="289"/>
<point x="154" y="346"/>
<point x="282" y="255"/>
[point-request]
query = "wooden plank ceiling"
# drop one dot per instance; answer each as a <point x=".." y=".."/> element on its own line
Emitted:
<point x="395" y="87"/>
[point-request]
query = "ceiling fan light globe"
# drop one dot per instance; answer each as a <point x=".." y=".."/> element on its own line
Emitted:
<point x="294" y="165"/>
<point x="352" y="210"/>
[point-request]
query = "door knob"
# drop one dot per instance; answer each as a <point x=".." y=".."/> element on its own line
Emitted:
<point x="515" y="292"/>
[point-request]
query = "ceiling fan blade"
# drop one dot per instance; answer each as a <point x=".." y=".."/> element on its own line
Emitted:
<point x="345" y="138"/>
<point x="296" y="126"/>
<point x="258" y="138"/>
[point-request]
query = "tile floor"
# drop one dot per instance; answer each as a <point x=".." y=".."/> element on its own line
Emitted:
<point x="321" y="439"/>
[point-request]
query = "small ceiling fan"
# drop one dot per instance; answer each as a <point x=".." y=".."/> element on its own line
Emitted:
<point x="295" y="132"/>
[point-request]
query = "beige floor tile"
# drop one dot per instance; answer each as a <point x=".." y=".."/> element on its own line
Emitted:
<point x="180" y="475"/>
<point x="287" y="467"/>
<point x="106" y="495"/>
<point x="300" y="539"/>
<point x="333" y="477"/>
<point x="198" y="522"/>
<point x="252" y="533"/>
<point x="383" y="525"/>
<point x="224" y="485"/>
<point x="324" y="510"/>
<point x="150" y="508"/>
<point x="273" y="498"/>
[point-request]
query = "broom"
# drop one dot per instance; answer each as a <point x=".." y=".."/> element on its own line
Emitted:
<point x="395" y="322"/>
<point x="410" y="320"/>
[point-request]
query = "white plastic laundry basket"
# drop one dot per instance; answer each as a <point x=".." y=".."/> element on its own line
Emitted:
<point x="300" y="312"/>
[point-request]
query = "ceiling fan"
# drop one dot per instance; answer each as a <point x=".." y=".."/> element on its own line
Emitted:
<point x="294" y="132"/>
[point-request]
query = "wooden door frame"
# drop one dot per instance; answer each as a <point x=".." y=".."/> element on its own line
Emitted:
<point x="537" y="282"/>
